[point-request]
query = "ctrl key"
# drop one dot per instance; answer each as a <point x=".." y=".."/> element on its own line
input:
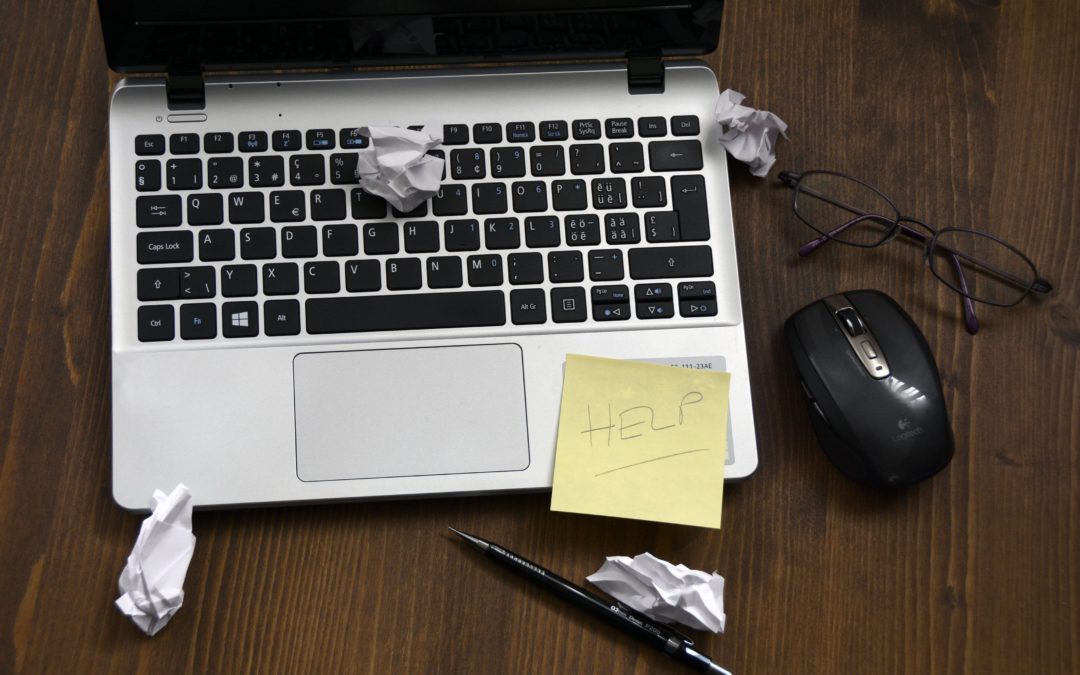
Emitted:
<point x="156" y="323"/>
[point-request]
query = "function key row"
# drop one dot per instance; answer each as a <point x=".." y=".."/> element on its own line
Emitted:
<point x="453" y="134"/>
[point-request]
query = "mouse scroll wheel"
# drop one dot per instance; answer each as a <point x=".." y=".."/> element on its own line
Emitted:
<point x="851" y="322"/>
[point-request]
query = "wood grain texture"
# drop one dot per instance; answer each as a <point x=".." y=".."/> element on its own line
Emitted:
<point x="964" y="111"/>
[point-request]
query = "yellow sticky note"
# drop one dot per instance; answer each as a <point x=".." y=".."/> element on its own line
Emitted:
<point x="643" y="441"/>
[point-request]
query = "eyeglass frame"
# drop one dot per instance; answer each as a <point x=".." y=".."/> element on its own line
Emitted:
<point x="930" y="244"/>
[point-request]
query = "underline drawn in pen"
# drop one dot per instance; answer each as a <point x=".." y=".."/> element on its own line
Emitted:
<point x="654" y="459"/>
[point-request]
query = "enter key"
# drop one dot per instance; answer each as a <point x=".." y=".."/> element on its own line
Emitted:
<point x="688" y="199"/>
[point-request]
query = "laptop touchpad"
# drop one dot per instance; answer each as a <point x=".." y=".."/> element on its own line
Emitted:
<point x="410" y="412"/>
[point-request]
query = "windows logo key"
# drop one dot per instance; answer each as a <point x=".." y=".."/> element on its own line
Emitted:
<point x="240" y="319"/>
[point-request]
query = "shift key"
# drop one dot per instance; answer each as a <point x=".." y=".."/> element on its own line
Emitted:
<point x="670" y="262"/>
<point x="688" y="199"/>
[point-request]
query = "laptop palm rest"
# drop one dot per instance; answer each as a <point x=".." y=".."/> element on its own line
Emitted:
<point x="410" y="412"/>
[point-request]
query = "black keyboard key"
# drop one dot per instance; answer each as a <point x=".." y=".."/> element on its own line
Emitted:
<point x="157" y="211"/>
<point x="154" y="248"/>
<point x="246" y="208"/>
<point x="218" y="244"/>
<point x="528" y="306"/>
<point x="338" y="240"/>
<point x="485" y="270"/>
<point x="197" y="282"/>
<point x="218" y="142"/>
<point x="323" y="276"/>
<point x="611" y="311"/>
<point x="328" y="204"/>
<point x="184" y="174"/>
<point x="606" y="295"/>
<point x="184" y="144"/>
<point x="421" y="236"/>
<point x="507" y="162"/>
<point x="609" y="193"/>
<point x="606" y="264"/>
<point x="158" y="283"/>
<point x="367" y="206"/>
<point x="697" y="290"/>
<point x="420" y="211"/>
<point x="252" y="141"/>
<point x="320" y="139"/>
<point x="622" y="228"/>
<point x="287" y="206"/>
<point x="660" y="262"/>
<point x="198" y="321"/>
<point x="156" y="323"/>
<point x="455" y="134"/>
<point x="362" y="275"/>
<point x="488" y="198"/>
<point x="689" y="200"/>
<point x="565" y="267"/>
<point x="685" y="125"/>
<point x="622" y="127"/>
<point x="569" y="195"/>
<point x="407" y="311"/>
<point x="626" y="157"/>
<point x="224" y="172"/>
<point x="649" y="191"/>
<point x="461" y="235"/>
<point x="307" y="170"/>
<point x="652" y="126"/>
<point x="380" y="238"/>
<point x="501" y="233"/>
<point x="258" y="243"/>
<point x="582" y="230"/>
<point x="443" y="272"/>
<point x="343" y="168"/>
<point x="554" y="130"/>
<point x="266" y="171"/>
<point x="403" y="274"/>
<point x="525" y="268"/>
<point x="205" y="209"/>
<point x="547" y="160"/>
<point x="239" y="281"/>
<point x="300" y="241"/>
<point x="150" y="144"/>
<point x="520" y="132"/>
<point x="675" y="155"/>
<point x="586" y="129"/>
<point x="352" y="139"/>
<point x="148" y="175"/>
<point x="281" y="317"/>
<point x="280" y="279"/>
<point x="240" y="319"/>
<point x="450" y="200"/>
<point x="487" y="132"/>
<point x="467" y="164"/>
<point x="692" y="308"/>
<point x="568" y="305"/>
<point x="288" y="139"/>
<point x="662" y="226"/>
<point x="586" y="159"/>
<point x="542" y="231"/>
<point x="530" y="196"/>
<point x="652" y="292"/>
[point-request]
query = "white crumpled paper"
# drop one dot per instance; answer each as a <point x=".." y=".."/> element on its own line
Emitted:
<point x="749" y="135"/>
<point x="665" y="592"/>
<point x="152" y="583"/>
<point x="396" y="166"/>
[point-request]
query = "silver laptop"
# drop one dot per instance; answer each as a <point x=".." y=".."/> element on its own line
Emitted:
<point x="280" y="335"/>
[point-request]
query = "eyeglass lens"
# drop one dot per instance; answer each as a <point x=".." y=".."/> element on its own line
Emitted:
<point x="992" y="271"/>
<point x="844" y="209"/>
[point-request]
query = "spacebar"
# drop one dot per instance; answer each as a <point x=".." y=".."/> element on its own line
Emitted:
<point x="405" y="312"/>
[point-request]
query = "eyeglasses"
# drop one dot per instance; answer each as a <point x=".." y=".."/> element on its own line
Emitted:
<point x="978" y="266"/>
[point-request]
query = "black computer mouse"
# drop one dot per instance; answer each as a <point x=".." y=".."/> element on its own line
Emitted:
<point x="873" y="388"/>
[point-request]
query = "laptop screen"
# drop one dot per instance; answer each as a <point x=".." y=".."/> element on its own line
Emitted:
<point x="164" y="35"/>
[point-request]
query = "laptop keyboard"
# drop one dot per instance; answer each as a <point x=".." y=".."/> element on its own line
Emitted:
<point x="264" y="232"/>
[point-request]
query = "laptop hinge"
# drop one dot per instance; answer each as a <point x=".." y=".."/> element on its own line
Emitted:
<point x="185" y="90"/>
<point x="645" y="73"/>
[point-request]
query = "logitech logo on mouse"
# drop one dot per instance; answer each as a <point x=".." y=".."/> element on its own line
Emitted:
<point x="906" y="432"/>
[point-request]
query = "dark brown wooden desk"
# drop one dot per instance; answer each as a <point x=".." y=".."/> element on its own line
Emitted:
<point x="966" y="111"/>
